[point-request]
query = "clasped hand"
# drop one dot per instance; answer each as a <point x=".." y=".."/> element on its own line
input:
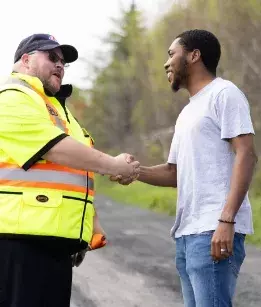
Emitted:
<point x="132" y="174"/>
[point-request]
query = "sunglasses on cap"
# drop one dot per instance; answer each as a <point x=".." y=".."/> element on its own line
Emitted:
<point x="53" y="57"/>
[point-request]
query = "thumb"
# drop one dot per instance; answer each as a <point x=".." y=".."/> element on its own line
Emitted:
<point x="129" y="158"/>
<point x="115" y="178"/>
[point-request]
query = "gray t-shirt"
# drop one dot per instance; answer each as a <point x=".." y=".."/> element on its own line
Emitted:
<point x="204" y="157"/>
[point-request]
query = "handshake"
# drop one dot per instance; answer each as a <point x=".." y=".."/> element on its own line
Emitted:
<point x="127" y="169"/>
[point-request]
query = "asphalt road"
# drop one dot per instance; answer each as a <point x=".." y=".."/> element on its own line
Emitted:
<point x="136" y="268"/>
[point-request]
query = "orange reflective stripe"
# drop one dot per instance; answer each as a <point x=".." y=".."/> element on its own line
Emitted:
<point x="51" y="118"/>
<point x="57" y="167"/>
<point x="91" y="175"/>
<point x="47" y="176"/>
<point x="55" y="118"/>
<point x="65" y="187"/>
<point x="51" y="107"/>
<point x="8" y="165"/>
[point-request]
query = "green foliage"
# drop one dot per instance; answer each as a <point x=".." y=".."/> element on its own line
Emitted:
<point x="256" y="184"/>
<point x="139" y="194"/>
<point x="117" y="88"/>
<point x="155" y="152"/>
<point x="131" y="99"/>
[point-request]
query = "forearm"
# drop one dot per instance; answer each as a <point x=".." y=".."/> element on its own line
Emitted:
<point x="164" y="175"/>
<point x="242" y="174"/>
<point x="72" y="153"/>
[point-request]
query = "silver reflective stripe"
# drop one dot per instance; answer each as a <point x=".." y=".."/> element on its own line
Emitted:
<point x="59" y="123"/>
<point x="90" y="184"/>
<point x="48" y="176"/>
<point x="17" y="81"/>
<point x="58" y="120"/>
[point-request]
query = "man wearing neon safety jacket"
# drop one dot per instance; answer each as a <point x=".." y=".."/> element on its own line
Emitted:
<point x="47" y="166"/>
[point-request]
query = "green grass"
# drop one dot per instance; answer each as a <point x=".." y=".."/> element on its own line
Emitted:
<point x="162" y="200"/>
<point x="256" y="207"/>
<point x="140" y="194"/>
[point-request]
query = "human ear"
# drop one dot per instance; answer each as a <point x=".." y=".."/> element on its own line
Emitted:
<point x="25" y="60"/>
<point x="195" y="56"/>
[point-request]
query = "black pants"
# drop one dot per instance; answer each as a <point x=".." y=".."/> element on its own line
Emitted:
<point x="33" y="276"/>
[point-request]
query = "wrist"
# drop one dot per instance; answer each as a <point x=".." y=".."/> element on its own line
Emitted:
<point x="107" y="165"/>
<point x="114" y="167"/>
<point x="227" y="216"/>
<point x="144" y="173"/>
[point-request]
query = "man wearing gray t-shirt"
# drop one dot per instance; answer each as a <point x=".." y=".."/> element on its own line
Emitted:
<point x="211" y="162"/>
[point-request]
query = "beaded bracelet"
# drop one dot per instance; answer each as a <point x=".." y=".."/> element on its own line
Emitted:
<point x="228" y="222"/>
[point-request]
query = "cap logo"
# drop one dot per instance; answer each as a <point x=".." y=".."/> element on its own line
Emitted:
<point x="52" y="38"/>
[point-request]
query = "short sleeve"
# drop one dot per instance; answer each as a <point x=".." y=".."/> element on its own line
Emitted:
<point x="26" y="131"/>
<point x="233" y="113"/>
<point x="172" y="159"/>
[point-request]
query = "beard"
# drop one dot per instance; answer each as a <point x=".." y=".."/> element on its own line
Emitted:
<point x="50" y="87"/>
<point x="180" y="76"/>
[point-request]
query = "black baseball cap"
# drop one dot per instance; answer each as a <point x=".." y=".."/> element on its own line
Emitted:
<point x="44" y="42"/>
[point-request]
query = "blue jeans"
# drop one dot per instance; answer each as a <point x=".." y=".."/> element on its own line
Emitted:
<point x="204" y="282"/>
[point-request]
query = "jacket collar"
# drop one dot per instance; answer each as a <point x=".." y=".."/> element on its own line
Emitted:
<point x="64" y="92"/>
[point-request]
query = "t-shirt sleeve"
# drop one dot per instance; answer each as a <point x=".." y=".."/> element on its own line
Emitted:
<point x="26" y="131"/>
<point x="233" y="113"/>
<point x="172" y="159"/>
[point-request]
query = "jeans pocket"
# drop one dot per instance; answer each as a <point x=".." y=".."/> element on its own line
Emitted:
<point x="235" y="267"/>
<point x="239" y="253"/>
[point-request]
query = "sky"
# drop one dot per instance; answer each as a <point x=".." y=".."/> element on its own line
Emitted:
<point x="81" y="23"/>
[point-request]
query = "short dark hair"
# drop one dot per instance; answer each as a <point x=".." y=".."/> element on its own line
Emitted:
<point x="204" y="41"/>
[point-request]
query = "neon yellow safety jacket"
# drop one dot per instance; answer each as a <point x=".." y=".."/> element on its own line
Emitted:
<point x="38" y="197"/>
